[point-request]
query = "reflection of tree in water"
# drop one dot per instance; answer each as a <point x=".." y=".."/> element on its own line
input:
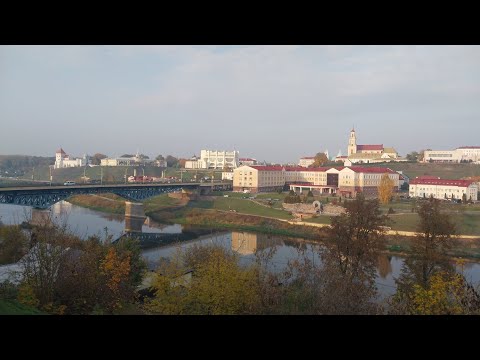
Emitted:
<point x="384" y="266"/>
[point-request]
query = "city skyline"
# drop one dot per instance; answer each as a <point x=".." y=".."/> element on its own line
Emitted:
<point x="273" y="103"/>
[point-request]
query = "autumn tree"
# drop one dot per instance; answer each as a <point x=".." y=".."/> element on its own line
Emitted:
<point x="218" y="285"/>
<point x="429" y="253"/>
<point x="13" y="244"/>
<point x="385" y="189"/>
<point x="446" y="293"/>
<point x="319" y="160"/>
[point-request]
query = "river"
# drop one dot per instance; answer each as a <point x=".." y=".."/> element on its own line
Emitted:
<point x="85" y="222"/>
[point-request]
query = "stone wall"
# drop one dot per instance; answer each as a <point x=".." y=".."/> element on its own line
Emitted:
<point x="328" y="209"/>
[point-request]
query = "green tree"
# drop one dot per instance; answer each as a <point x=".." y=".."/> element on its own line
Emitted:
<point x="171" y="161"/>
<point x="96" y="159"/>
<point x="160" y="157"/>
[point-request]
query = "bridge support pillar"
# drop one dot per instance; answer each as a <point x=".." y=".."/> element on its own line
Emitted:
<point x="134" y="216"/>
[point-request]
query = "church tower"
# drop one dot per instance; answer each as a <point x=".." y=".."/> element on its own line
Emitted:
<point x="352" y="143"/>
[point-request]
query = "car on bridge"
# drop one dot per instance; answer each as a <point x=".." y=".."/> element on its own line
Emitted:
<point x="67" y="183"/>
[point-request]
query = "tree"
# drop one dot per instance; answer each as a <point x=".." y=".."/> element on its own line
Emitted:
<point x="413" y="156"/>
<point x="385" y="189"/>
<point x="96" y="159"/>
<point x="429" y="254"/>
<point x="160" y="157"/>
<point x="320" y="160"/>
<point x="171" y="161"/>
<point x="219" y="284"/>
<point x="356" y="239"/>
<point x="13" y="244"/>
<point x="181" y="163"/>
<point x="464" y="198"/>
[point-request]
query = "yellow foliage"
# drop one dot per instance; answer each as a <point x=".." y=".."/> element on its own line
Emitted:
<point x="441" y="297"/>
<point x="385" y="189"/>
<point x="116" y="270"/>
<point x="26" y="296"/>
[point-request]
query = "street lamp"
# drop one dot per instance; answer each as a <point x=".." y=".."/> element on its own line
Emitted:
<point x="101" y="175"/>
<point x="143" y="176"/>
<point x="50" y="167"/>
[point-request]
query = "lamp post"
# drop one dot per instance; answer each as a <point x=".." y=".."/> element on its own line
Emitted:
<point x="84" y="175"/>
<point x="50" y="167"/>
<point x="126" y="169"/>
<point x="143" y="176"/>
<point x="101" y="175"/>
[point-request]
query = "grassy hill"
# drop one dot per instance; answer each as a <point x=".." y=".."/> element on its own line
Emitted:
<point x="445" y="171"/>
<point x="110" y="173"/>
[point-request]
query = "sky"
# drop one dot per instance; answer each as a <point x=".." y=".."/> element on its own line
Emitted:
<point x="273" y="103"/>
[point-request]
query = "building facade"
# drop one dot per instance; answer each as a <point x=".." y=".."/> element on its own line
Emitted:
<point x="461" y="154"/>
<point x="347" y="181"/>
<point x="369" y="154"/>
<point x="62" y="160"/>
<point x="213" y="159"/>
<point x="129" y="161"/>
<point x="247" y="161"/>
<point x="443" y="188"/>
<point x="306" y="161"/>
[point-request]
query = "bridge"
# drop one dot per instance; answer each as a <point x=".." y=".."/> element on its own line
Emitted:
<point x="42" y="197"/>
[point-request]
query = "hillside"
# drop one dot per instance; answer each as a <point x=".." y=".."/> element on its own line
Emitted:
<point x="445" y="171"/>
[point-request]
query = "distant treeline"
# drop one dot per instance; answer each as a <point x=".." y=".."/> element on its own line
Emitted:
<point x="19" y="164"/>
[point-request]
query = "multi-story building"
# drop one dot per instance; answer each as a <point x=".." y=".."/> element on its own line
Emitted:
<point x="426" y="186"/>
<point x="247" y="161"/>
<point x="306" y="161"/>
<point x="62" y="160"/>
<point x="210" y="159"/>
<point x="347" y="181"/>
<point x="136" y="160"/>
<point x="464" y="153"/>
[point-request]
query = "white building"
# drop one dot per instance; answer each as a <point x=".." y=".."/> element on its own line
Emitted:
<point x="227" y="175"/>
<point x="213" y="159"/>
<point x="128" y="161"/>
<point x="306" y="161"/>
<point x="62" y="160"/>
<point x="426" y="186"/>
<point x="247" y="161"/>
<point x="464" y="153"/>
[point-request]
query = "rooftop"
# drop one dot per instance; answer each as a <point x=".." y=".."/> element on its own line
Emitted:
<point x="459" y="183"/>
<point x="370" y="147"/>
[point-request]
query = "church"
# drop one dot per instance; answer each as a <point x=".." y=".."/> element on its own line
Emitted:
<point x="368" y="154"/>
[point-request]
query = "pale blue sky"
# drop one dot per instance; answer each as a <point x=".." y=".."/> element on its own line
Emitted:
<point x="274" y="103"/>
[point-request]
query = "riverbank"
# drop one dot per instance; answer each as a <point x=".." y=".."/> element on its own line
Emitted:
<point x="217" y="213"/>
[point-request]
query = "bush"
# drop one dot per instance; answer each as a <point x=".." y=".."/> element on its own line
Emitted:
<point x="391" y="211"/>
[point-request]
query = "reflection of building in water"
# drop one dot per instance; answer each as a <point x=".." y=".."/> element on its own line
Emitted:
<point x="61" y="208"/>
<point x="133" y="224"/>
<point x="247" y="243"/>
<point x="244" y="243"/>
<point x="384" y="266"/>
<point x="134" y="216"/>
<point x="41" y="217"/>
